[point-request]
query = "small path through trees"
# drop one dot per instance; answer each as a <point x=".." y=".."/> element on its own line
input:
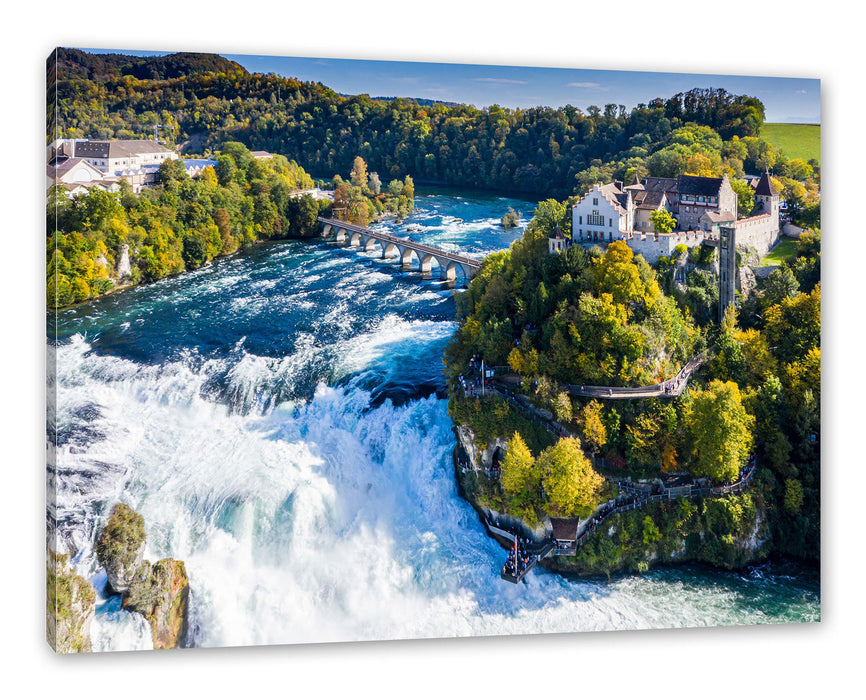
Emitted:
<point x="632" y="495"/>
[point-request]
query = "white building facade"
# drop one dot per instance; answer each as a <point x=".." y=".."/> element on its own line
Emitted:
<point x="605" y="213"/>
<point x="701" y="205"/>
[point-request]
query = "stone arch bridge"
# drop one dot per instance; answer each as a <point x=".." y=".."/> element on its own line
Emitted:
<point x="402" y="249"/>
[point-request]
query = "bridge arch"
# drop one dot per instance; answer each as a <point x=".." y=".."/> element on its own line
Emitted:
<point x="454" y="269"/>
<point x="369" y="243"/>
<point x="427" y="262"/>
<point x="406" y="257"/>
<point x="391" y="250"/>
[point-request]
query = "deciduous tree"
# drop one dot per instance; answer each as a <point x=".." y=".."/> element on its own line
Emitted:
<point x="720" y="431"/>
<point x="359" y="175"/>
<point x="571" y="486"/>
<point x="592" y="427"/>
<point x="662" y="221"/>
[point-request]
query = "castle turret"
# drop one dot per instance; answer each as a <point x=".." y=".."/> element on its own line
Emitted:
<point x="557" y="240"/>
<point x="767" y="198"/>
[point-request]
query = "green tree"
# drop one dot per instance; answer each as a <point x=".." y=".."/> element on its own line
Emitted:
<point x="518" y="475"/>
<point x="592" y="426"/>
<point x="745" y="197"/>
<point x="720" y="431"/>
<point x="521" y="481"/>
<point x="793" y="500"/>
<point x="225" y="169"/>
<point x="651" y="531"/>
<point x="549" y="214"/>
<point x="301" y="213"/>
<point x="780" y="285"/>
<point x="194" y="250"/>
<point x="793" y="327"/>
<point x="395" y="188"/>
<point x="562" y="408"/>
<point x="571" y="486"/>
<point x="359" y="175"/>
<point x="408" y="190"/>
<point x="662" y="221"/>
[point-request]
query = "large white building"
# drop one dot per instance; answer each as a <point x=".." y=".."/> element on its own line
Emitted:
<point x="700" y="206"/>
<point x="76" y="175"/>
<point x="136" y="161"/>
<point x="108" y="162"/>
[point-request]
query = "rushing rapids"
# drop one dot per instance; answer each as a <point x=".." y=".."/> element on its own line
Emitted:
<point x="278" y="419"/>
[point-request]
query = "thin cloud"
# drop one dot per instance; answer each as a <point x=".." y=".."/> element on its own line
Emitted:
<point x="504" y="81"/>
<point x="588" y="86"/>
<point x="800" y="92"/>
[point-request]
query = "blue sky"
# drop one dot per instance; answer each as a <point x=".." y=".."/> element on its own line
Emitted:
<point x="785" y="99"/>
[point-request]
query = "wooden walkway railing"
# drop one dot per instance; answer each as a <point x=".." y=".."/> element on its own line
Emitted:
<point x="669" y="387"/>
<point x="669" y="494"/>
<point x="639" y="497"/>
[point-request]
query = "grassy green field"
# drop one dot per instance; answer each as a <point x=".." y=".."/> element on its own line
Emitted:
<point x="796" y="140"/>
<point x="786" y="250"/>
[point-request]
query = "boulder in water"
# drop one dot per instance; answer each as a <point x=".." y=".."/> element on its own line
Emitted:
<point x="120" y="547"/>
<point x="161" y="593"/>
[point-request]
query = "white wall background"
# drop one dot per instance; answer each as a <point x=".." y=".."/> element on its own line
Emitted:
<point x="794" y="661"/>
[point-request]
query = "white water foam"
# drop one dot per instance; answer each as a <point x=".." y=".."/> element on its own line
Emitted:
<point x="318" y="521"/>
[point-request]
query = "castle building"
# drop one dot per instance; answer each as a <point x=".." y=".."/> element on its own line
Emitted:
<point x="700" y="205"/>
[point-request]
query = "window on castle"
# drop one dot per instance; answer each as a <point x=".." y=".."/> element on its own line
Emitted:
<point x="594" y="219"/>
<point x="595" y="201"/>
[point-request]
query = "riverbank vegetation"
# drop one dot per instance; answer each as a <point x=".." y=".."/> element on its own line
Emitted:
<point x="100" y="240"/>
<point x="204" y="100"/>
<point x="717" y="531"/>
<point x="592" y="317"/>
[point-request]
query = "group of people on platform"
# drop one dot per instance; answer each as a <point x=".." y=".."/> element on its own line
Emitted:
<point x="471" y="382"/>
<point x="518" y="560"/>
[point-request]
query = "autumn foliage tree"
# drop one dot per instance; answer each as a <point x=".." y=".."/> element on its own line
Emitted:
<point x="720" y="431"/>
<point x="521" y="480"/>
<point x="572" y="487"/>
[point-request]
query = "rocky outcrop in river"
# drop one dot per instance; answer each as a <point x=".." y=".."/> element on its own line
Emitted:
<point x="120" y="547"/>
<point x="158" y="591"/>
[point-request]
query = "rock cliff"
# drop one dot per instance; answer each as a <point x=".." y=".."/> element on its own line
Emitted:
<point x="161" y="593"/>
<point x="71" y="604"/>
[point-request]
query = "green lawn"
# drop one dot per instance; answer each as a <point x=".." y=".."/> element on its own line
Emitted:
<point x="786" y="250"/>
<point x="796" y="140"/>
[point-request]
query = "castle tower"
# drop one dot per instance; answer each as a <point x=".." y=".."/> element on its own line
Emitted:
<point x="727" y="267"/>
<point x="557" y="241"/>
<point x="768" y="198"/>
